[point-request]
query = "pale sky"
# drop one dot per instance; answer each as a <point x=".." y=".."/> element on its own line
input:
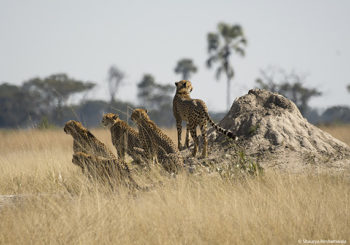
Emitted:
<point x="83" y="38"/>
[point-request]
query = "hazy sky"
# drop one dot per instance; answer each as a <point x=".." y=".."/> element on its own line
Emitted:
<point x="83" y="38"/>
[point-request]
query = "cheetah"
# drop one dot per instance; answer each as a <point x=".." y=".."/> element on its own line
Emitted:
<point x="195" y="113"/>
<point x="124" y="138"/>
<point x="94" y="166"/>
<point x="106" y="170"/>
<point x="157" y="144"/>
<point x="94" y="157"/>
<point x="85" y="141"/>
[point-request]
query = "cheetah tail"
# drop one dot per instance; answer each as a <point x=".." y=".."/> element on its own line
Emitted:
<point x="226" y="132"/>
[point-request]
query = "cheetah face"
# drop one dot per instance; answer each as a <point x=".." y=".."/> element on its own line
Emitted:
<point x="109" y="119"/>
<point x="74" y="126"/>
<point x="184" y="86"/>
<point x="139" y="115"/>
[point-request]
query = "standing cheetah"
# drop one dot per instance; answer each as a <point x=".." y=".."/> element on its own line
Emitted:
<point x="195" y="113"/>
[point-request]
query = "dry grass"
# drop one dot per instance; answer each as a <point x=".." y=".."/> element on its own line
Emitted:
<point x="58" y="205"/>
<point x="341" y="132"/>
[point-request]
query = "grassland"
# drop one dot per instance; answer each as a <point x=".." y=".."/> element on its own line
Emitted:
<point x="56" y="204"/>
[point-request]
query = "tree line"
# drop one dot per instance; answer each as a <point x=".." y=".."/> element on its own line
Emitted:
<point x="44" y="102"/>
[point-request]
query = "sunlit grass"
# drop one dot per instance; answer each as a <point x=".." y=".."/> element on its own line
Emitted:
<point x="341" y="132"/>
<point x="57" y="204"/>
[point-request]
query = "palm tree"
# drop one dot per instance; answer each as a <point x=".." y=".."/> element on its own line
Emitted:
<point x="185" y="67"/>
<point x="220" y="46"/>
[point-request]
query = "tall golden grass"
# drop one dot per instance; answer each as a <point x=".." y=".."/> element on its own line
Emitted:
<point x="56" y="204"/>
<point x="341" y="132"/>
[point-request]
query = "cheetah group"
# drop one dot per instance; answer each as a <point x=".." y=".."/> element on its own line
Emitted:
<point x="147" y="145"/>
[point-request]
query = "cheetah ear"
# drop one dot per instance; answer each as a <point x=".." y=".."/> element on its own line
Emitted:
<point x="176" y="83"/>
<point x="146" y="111"/>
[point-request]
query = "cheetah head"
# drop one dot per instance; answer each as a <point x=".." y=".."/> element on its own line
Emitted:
<point x="75" y="129"/>
<point x="183" y="86"/>
<point x="139" y="115"/>
<point x="109" y="119"/>
<point x="73" y="126"/>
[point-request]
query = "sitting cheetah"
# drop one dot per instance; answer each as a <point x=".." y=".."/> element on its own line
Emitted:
<point x="125" y="139"/>
<point x="94" y="166"/>
<point x="157" y="145"/>
<point x="104" y="169"/>
<point x="94" y="157"/>
<point x="85" y="141"/>
<point x="195" y="113"/>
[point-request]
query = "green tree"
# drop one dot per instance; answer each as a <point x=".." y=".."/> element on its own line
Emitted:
<point x="17" y="107"/>
<point x="152" y="95"/>
<point x="157" y="99"/>
<point x="56" y="89"/>
<point x="53" y="93"/>
<point x="145" y="89"/>
<point x="289" y="85"/>
<point x="115" y="79"/>
<point x="185" y="67"/>
<point x="221" y="45"/>
<point x="268" y="80"/>
<point x="336" y="114"/>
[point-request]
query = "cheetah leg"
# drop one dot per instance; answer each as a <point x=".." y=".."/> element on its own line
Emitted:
<point x="124" y="147"/>
<point x="187" y="136"/>
<point x="195" y="139"/>
<point x="120" y="152"/>
<point x="139" y="155"/>
<point x="205" y="140"/>
<point x="179" y="131"/>
<point x="154" y="148"/>
<point x="138" y="158"/>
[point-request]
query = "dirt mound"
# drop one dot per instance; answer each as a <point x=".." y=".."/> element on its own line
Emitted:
<point x="271" y="128"/>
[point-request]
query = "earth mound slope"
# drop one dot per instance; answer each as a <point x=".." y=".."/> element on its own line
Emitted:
<point x="272" y="130"/>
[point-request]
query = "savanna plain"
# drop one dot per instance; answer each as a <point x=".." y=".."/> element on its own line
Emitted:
<point x="45" y="199"/>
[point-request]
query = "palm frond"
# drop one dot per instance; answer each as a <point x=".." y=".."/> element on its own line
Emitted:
<point x="244" y="41"/>
<point x="235" y="31"/>
<point x="218" y="73"/>
<point x="230" y="72"/>
<point x="213" y="41"/>
<point x="224" y="30"/>
<point x="210" y="60"/>
<point x="239" y="51"/>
